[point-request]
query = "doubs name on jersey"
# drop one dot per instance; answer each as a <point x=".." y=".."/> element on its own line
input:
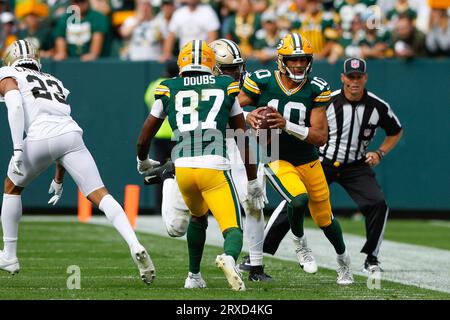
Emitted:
<point x="205" y="79"/>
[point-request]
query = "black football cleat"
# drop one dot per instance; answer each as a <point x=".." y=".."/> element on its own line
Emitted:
<point x="160" y="173"/>
<point x="244" y="266"/>
<point x="372" y="264"/>
<point x="257" y="274"/>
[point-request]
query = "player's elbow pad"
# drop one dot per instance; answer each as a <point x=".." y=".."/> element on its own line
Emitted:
<point x="13" y="101"/>
<point x="296" y="130"/>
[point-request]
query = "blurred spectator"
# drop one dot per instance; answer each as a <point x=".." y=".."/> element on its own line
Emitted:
<point x="57" y="9"/>
<point x="267" y="38"/>
<point x="350" y="39"/>
<point x="401" y="8"/>
<point x="38" y="33"/>
<point x="243" y="26"/>
<point x="259" y="6"/>
<point x="408" y="41"/>
<point x="318" y="27"/>
<point x="143" y="33"/>
<point x="349" y="9"/>
<point x="83" y="36"/>
<point x="102" y="6"/>
<point x="227" y="12"/>
<point x="189" y="22"/>
<point x="8" y="30"/>
<point x="438" y="38"/>
<point x="162" y="20"/>
<point x="376" y="40"/>
<point x="4" y="6"/>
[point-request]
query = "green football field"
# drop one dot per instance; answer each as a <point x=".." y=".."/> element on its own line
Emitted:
<point x="48" y="249"/>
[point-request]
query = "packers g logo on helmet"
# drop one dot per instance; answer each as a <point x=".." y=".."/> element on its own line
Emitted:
<point x="196" y="55"/>
<point x="21" y="52"/>
<point x="293" y="45"/>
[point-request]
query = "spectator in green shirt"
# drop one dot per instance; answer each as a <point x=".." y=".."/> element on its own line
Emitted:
<point x="85" y="36"/>
<point x="38" y="33"/>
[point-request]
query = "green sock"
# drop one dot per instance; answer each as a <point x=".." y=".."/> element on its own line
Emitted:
<point x="296" y="213"/>
<point x="232" y="245"/>
<point x="334" y="234"/>
<point x="196" y="237"/>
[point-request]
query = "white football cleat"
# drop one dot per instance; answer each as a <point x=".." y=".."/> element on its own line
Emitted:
<point x="227" y="264"/>
<point x="304" y="255"/>
<point x="144" y="264"/>
<point x="12" y="266"/>
<point x="344" y="271"/>
<point x="194" y="280"/>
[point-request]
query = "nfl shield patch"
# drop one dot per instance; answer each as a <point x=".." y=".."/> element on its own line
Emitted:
<point x="354" y="64"/>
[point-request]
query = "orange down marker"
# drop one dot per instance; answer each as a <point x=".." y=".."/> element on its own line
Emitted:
<point x="84" y="208"/>
<point x="131" y="203"/>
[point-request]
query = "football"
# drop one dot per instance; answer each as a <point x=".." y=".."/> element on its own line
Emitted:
<point x="263" y="133"/>
<point x="265" y="112"/>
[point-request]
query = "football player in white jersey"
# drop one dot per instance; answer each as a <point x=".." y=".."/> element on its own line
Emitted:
<point x="36" y="104"/>
<point x="174" y="211"/>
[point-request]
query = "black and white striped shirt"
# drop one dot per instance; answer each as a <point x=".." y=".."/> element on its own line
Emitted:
<point x="352" y="126"/>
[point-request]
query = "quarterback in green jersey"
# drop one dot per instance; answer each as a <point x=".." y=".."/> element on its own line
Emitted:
<point x="298" y="101"/>
<point x="199" y="106"/>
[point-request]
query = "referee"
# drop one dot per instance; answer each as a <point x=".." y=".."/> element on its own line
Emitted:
<point x="353" y="117"/>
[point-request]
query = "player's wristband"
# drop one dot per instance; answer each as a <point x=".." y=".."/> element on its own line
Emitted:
<point x="296" y="130"/>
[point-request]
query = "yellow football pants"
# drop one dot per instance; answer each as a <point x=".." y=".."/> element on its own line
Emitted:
<point x="212" y="190"/>
<point x="309" y="178"/>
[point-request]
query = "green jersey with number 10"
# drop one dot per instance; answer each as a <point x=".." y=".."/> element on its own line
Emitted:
<point x="295" y="105"/>
<point x="199" y="108"/>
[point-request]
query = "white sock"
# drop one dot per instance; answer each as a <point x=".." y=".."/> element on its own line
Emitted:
<point x="343" y="258"/>
<point x="11" y="214"/>
<point x="254" y="232"/>
<point x="167" y="198"/>
<point x="119" y="219"/>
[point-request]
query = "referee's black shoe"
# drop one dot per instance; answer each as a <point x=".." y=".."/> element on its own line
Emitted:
<point x="257" y="274"/>
<point x="160" y="173"/>
<point x="372" y="264"/>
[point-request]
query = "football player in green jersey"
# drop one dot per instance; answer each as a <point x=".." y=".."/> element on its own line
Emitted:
<point x="297" y="175"/>
<point x="199" y="106"/>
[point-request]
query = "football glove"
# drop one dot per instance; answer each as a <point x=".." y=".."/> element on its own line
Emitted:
<point x="144" y="165"/>
<point x="256" y="195"/>
<point x="17" y="161"/>
<point x="57" y="188"/>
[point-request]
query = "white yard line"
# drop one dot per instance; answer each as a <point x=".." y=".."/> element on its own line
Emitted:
<point x="420" y="266"/>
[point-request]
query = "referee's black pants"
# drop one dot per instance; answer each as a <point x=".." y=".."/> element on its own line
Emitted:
<point x="359" y="181"/>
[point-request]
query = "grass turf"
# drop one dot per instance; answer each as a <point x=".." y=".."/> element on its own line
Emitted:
<point x="429" y="233"/>
<point x="47" y="249"/>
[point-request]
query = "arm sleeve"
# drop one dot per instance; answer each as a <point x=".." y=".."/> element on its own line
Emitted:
<point x="322" y="92"/>
<point x="236" y="108"/>
<point x="252" y="87"/>
<point x="299" y="131"/>
<point x="13" y="101"/>
<point x="158" y="110"/>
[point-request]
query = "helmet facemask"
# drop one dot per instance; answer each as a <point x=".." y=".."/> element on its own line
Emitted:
<point x="236" y="71"/>
<point x="296" y="74"/>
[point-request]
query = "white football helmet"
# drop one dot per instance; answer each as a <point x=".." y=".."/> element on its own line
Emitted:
<point x="21" y="52"/>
